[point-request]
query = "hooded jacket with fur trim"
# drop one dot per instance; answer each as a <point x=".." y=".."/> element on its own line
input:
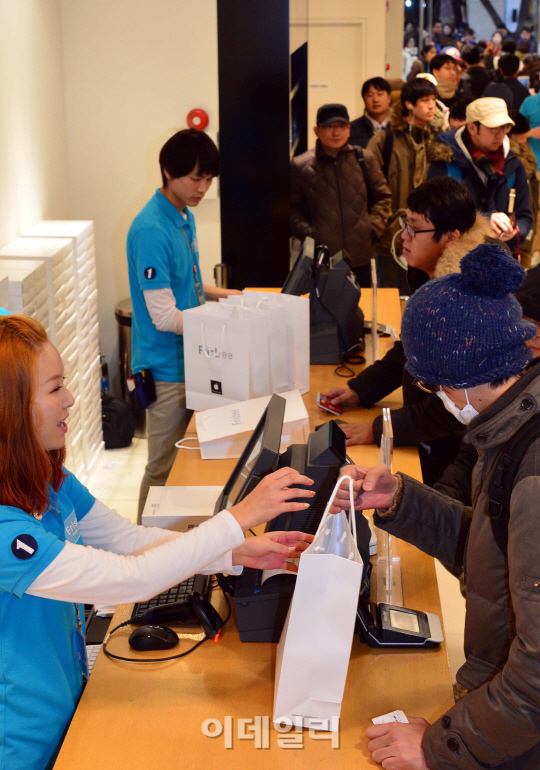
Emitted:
<point x="423" y="418"/>
<point x="408" y="164"/>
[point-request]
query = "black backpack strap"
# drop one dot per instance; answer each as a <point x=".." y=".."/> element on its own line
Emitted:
<point x="502" y="480"/>
<point x="387" y="150"/>
<point x="359" y="152"/>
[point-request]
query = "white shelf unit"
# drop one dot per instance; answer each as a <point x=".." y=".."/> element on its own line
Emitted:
<point x="27" y="288"/>
<point x="4" y="291"/>
<point x="58" y="259"/>
<point x="81" y="234"/>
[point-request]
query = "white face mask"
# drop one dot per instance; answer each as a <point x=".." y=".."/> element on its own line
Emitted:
<point x="464" y="415"/>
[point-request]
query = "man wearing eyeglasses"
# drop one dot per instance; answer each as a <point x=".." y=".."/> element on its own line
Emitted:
<point x="339" y="195"/>
<point x="479" y="155"/>
<point x="440" y="227"/>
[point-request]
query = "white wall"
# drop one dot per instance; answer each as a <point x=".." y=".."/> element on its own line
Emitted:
<point x="346" y="46"/>
<point x="33" y="157"/>
<point x="133" y="70"/>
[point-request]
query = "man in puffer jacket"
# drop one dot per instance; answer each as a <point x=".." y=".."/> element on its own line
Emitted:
<point x="464" y="333"/>
<point x="338" y="194"/>
<point x="443" y="216"/>
<point x="479" y="155"/>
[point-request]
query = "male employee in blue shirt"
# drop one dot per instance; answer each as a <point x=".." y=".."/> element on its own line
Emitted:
<point x="165" y="279"/>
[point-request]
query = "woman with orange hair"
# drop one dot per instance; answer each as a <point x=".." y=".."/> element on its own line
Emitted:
<point x="61" y="547"/>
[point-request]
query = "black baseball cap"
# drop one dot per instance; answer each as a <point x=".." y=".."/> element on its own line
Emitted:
<point x="328" y="113"/>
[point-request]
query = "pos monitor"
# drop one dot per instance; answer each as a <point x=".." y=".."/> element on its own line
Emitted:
<point x="299" y="279"/>
<point x="259" y="458"/>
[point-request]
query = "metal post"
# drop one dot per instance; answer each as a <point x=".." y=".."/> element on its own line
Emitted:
<point x="420" y="27"/>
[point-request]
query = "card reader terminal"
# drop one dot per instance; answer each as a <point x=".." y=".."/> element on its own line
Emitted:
<point x="387" y="625"/>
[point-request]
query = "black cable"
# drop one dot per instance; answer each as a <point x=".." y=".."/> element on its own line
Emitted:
<point x="145" y="660"/>
<point x="170" y="657"/>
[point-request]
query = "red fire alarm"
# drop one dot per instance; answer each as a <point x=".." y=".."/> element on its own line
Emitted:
<point x="197" y="119"/>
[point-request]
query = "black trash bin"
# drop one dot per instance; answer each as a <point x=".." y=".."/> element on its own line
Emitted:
<point x="124" y="313"/>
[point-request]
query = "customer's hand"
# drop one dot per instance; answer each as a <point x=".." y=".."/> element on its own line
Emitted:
<point x="272" y="496"/>
<point x="502" y="225"/>
<point x="344" y="396"/>
<point x="358" y="433"/>
<point x="398" y="746"/>
<point x="270" y="550"/>
<point x="372" y="488"/>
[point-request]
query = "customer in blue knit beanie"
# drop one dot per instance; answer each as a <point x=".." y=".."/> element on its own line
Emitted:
<point x="464" y="336"/>
<point x="466" y="329"/>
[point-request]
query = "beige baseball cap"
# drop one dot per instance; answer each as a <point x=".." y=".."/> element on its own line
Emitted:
<point x="489" y="111"/>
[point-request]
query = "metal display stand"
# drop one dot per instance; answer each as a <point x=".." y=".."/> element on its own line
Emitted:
<point x="389" y="586"/>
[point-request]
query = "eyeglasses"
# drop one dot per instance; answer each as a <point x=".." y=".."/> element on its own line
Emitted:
<point x="426" y="387"/>
<point x="340" y="126"/>
<point x="411" y="232"/>
<point x="499" y="129"/>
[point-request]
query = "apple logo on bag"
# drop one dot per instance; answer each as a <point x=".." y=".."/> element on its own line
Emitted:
<point x="216" y="388"/>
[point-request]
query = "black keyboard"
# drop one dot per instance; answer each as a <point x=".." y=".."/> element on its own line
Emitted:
<point x="179" y="593"/>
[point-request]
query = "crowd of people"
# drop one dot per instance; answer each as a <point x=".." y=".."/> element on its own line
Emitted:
<point x="441" y="172"/>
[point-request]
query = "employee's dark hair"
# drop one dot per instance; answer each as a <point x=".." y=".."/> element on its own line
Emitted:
<point x="445" y="202"/>
<point x="379" y="83"/>
<point x="439" y="61"/>
<point x="416" y="89"/>
<point x="470" y="54"/>
<point x="509" y="46"/>
<point x="428" y="46"/>
<point x="522" y="124"/>
<point x="458" y="109"/>
<point x="186" y="150"/>
<point x="509" y="64"/>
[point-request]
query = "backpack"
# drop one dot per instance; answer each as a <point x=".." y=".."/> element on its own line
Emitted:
<point x="502" y="480"/>
<point x="117" y="421"/>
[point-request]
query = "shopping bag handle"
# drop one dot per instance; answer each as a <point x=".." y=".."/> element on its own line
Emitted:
<point x="326" y="514"/>
<point x="203" y="338"/>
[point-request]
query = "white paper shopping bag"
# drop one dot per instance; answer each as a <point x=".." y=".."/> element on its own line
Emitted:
<point x="288" y="324"/>
<point x="315" y="645"/>
<point x="216" y="356"/>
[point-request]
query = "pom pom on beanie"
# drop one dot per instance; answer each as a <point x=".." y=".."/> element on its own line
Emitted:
<point x="466" y="328"/>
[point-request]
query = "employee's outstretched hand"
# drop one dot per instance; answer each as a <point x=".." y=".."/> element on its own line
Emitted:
<point x="358" y="433"/>
<point x="273" y="495"/>
<point x="343" y="396"/>
<point x="398" y="746"/>
<point x="270" y="550"/>
<point x="373" y="488"/>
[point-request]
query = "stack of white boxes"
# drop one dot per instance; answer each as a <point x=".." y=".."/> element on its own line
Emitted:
<point x="68" y="268"/>
<point x="81" y="235"/>
<point x="27" y="289"/>
<point x="4" y="290"/>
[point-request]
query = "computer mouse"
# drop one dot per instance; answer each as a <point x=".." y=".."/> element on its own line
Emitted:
<point x="153" y="638"/>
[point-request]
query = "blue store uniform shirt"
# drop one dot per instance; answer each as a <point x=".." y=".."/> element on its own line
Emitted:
<point x="159" y="257"/>
<point x="40" y="682"/>
<point x="530" y="107"/>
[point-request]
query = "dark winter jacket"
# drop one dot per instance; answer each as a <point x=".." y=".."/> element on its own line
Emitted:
<point x="361" y="131"/>
<point x="474" y="80"/>
<point x="519" y="92"/>
<point x="330" y="202"/>
<point x="423" y="419"/>
<point x="449" y="157"/>
<point x="497" y="725"/>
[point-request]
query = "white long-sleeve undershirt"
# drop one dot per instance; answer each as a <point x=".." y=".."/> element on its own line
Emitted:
<point x="165" y="316"/>
<point x="121" y="562"/>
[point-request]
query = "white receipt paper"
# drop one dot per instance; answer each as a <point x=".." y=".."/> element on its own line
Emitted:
<point x="393" y="716"/>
